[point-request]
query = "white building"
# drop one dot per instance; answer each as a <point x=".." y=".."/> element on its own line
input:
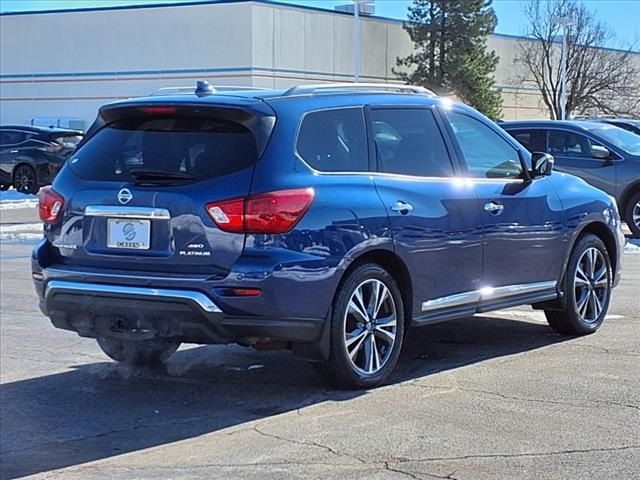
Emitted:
<point x="65" y="64"/>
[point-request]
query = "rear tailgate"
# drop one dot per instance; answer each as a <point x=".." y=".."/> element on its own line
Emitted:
<point x="135" y="192"/>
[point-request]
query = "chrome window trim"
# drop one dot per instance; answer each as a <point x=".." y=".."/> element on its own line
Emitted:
<point x="373" y="173"/>
<point x="204" y="302"/>
<point x="417" y="177"/>
<point x="127" y="212"/>
<point x="486" y="293"/>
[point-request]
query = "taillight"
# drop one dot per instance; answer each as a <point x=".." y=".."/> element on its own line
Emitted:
<point x="51" y="148"/>
<point x="271" y="213"/>
<point x="50" y="205"/>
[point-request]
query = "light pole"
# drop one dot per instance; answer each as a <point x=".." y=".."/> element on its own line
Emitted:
<point x="356" y="40"/>
<point x="565" y="22"/>
<point x="357" y="4"/>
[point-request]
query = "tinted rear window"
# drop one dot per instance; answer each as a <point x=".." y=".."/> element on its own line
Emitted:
<point x="334" y="140"/>
<point x="200" y="147"/>
<point x="66" y="140"/>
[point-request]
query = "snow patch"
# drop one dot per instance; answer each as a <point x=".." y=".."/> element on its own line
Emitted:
<point x="15" y="204"/>
<point x="11" y="199"/>
<point x="632" y="246"/>
<point x="21" y="232"/>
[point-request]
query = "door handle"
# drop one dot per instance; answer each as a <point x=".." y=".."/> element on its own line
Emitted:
<point x="494" y="208"/>
<point x="402" y="207"/>
<point x="14" y="151"/>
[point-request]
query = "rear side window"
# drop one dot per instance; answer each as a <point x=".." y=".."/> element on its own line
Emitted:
<point x="11" y="137"/>
<point x="334" y="140"/>
<point x="532" y="140"/>
<point x="409" y="142"/>
<point x="196" y="148"/>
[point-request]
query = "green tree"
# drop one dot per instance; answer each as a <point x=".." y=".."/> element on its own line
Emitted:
<point x="450" y="51"/>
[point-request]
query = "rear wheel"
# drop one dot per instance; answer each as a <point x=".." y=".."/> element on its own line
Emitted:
<point x="25" y="179"/>
<point x="138" y="352"/>
<point x="367" y="329"/>
<point x="632" y="215"/>
<point x="4" y="187"/>
<point x="587" y="286"/>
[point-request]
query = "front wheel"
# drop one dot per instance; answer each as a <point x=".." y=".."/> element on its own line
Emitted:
<point x="587" y="286"/>
<point x="632" y="215"/>
<point x="138" y="352"/>
<point x="367" y="329"/>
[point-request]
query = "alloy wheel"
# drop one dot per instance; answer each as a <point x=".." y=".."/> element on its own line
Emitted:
<point x="24" y="180"/>
<point x="370" y="324"/>
<point x="591" y="284"/>
<point x="635" y="214"/>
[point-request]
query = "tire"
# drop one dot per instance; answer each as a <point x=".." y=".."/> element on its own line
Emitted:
<point x="138" y="352"/>
<point x="4" y="187"/>
<point x="375" y="334"/>
<point x="587" y="286"/>
<point x="632" y="215"/>
<point x="25" y="179"/>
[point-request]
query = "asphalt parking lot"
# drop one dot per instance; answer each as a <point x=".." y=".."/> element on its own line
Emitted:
<point x="490" y="397"/>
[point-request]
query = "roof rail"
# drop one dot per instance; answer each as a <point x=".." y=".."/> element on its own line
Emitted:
<point x="166" y="91"/>
<point x="337" y="87"/>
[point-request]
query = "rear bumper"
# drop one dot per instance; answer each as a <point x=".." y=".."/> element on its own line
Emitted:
<point x="93" y="310"/>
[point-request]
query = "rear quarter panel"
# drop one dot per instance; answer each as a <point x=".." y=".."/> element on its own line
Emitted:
<point x="346" y="219"/>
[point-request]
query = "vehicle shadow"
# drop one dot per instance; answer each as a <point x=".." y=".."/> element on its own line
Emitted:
<point x="100" y="410"/>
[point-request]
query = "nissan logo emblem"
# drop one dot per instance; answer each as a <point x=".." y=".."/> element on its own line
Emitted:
<point x="125" y="196"/>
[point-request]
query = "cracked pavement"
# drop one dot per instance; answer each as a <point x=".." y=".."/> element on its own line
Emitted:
<point x="497" y="396"/>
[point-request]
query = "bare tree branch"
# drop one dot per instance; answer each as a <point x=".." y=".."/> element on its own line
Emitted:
<point x="599" y="79"/>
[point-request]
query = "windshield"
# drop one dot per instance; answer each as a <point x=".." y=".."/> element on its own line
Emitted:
<point x="623" y="139"/>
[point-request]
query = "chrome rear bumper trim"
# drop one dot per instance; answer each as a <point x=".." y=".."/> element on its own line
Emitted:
<point x="127" y="212"/>
<point x="204" y="302"/>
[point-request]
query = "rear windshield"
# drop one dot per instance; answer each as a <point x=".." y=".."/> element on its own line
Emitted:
<point x="194" y="147"/>
<point x="67" y="140"/>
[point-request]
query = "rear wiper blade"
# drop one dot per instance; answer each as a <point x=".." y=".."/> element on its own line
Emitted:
<point x="143" y="174"/>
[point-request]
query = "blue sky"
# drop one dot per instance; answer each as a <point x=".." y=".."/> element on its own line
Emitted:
<point x="621" y="15"/>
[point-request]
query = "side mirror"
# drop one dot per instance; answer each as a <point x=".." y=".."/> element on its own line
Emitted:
<point x="600" y="152"/>
<point x="541" y="164"/>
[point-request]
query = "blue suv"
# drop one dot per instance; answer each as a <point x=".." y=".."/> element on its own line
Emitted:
<point x="325" y="219"/>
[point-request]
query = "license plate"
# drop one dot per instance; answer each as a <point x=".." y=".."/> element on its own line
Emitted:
<point x="131" y="234"/>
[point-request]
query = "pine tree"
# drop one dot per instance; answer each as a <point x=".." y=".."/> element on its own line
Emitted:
<point x="450" y="51"/>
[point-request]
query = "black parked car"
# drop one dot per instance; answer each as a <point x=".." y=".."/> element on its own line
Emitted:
<point x="30" y="157"/>
<point x="604" y="155"/>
